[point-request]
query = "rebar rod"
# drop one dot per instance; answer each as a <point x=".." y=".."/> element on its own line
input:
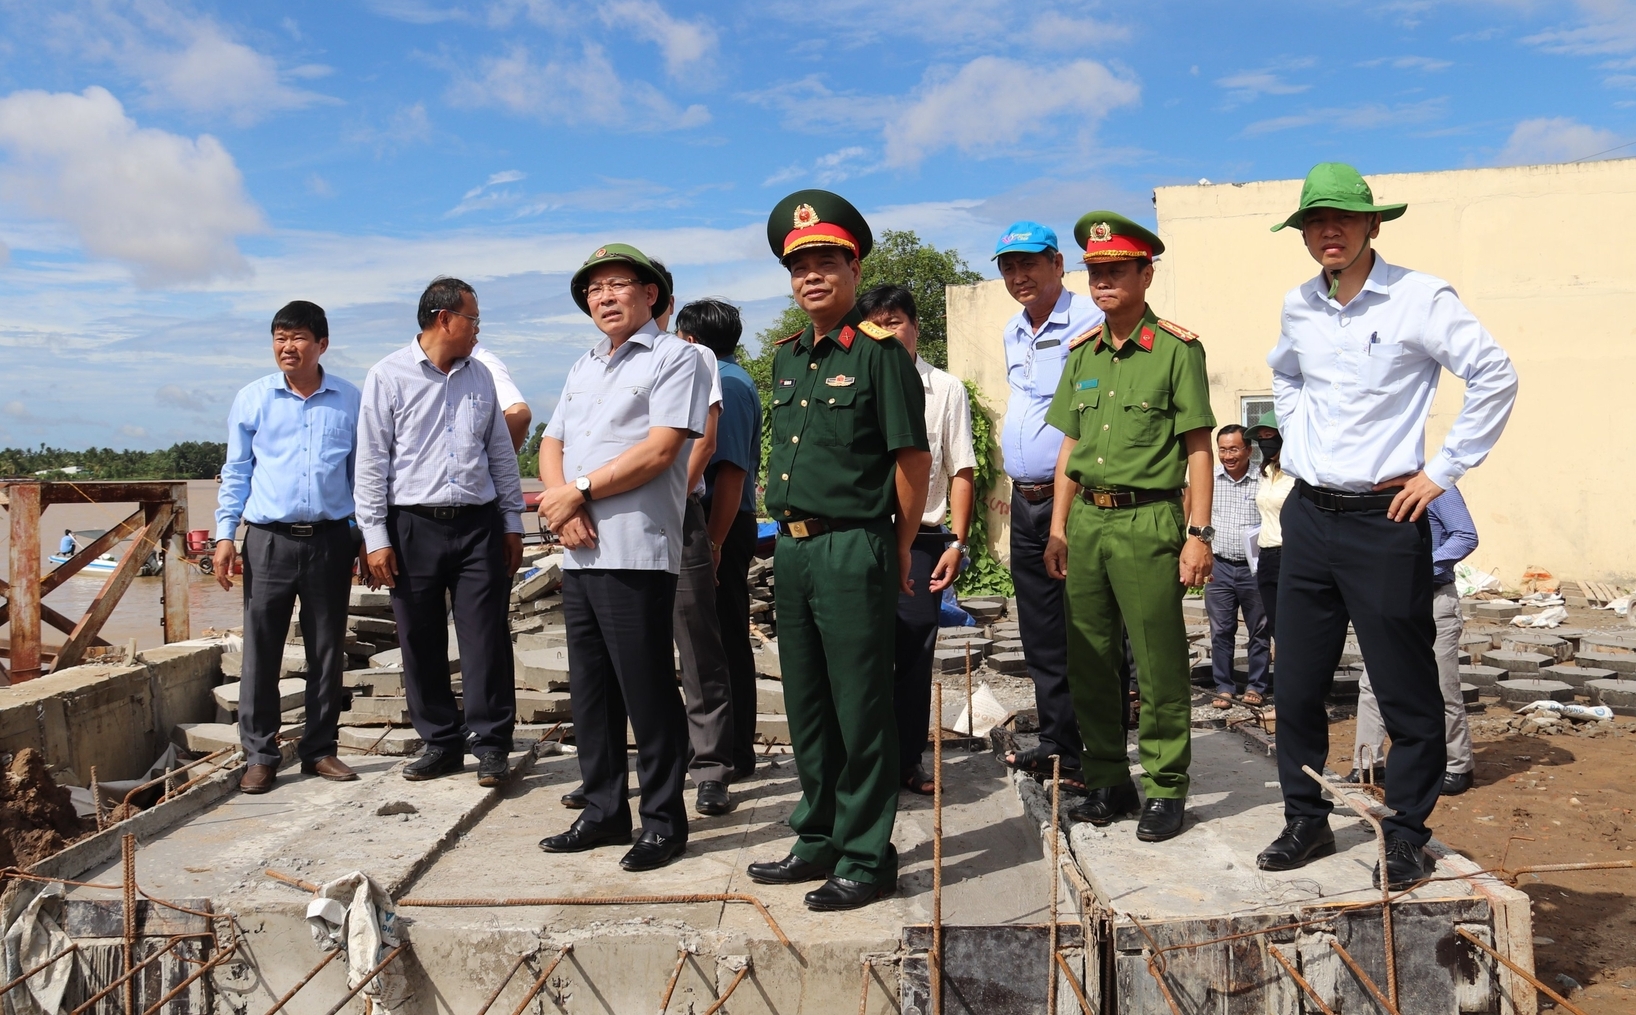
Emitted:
<point x="935" y="956"/>
<point x="221" y="956"/>
<point x="127" y="846"/>
<point x="507" y="979"/>
<point x="329" y="957"/>
<point x="863" y="995"/>
<point x="1363" y="977"/>
<point x="675" y="975"/>
<point x="738" y="979"/>
<point x="352" y="992"/>
<point x="1525" y="974"/>
<point x="971" y="716"/>
<point x="139" y="787"/>
<point x="539" y="983"/>
<point x="1385" y="877"/>
<point x="1056" y="864"/>
<point x="127" y="977"/>
<point x="1295" y="974"/>
<point x="1158" y="978"/>
<point x="71" y="949"/>
<point x="1073" y="983"/>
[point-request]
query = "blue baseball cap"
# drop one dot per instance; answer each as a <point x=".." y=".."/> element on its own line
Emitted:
<point x="1026" y="237"/>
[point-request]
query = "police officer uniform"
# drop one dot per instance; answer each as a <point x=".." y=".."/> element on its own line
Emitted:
<point x="1127" y="410"/>
<point x="843" y="404"/>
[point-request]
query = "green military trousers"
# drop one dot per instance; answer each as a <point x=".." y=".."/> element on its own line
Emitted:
<point x="1123" y="576"/>
<point x="837" y="596"/>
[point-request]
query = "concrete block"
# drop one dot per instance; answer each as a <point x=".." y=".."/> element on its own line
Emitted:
<point x="362" y="599"/>
<point x="951" y="660"/>
<point x="377" y="711"/>
<point x="547" y="578"/>
<point x="1482" y="676"/>
<point x="394" y="742"/>
<point x="547" y="637"/>
<point x="1477" y="642"/>
<point x="1619" y="695"/>
<point x="291" y="694"/>
<point x="379" y="681"/>
<point x="1500" y="611"/>
<point x="526" y="625"/>
<point x="205" y="737"/>
<point x="1010" y="645"/>
<point x="1197" y="631"/>
<point x="1623" y="662"/>
<point x="1538" y="642"/>
<point x="232" y="665"/>
<point x="767" y="663"/>
<point x="543" y="706"/>
<point x="1007" y="662"/>
<point x="1468" y="693"/>
<point x="773" y="727"/>
<point x="1517" y="662"/>
<point x="180" y="679"/>
<point x="1522" y="690"/>
<point x="979" y="645"/>
<point x="373" y="627"/>
<point x="1577" y="675"/>
<point x="86" y="715"/>
<point x="1609" y="641"/>
<point x="543" y="669"/>
<point x="1005" y="632"/>
<point x="1351" y="655"/>
<point x="769" y="697"/>
<point x="394" y="657"/>
<point x="984" y="611"/>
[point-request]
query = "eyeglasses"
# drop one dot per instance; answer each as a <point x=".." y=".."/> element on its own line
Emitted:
<point x="610" y="286"/>
<point x="475" y="319"/>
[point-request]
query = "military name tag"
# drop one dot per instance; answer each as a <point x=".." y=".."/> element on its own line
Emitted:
<point x="786" y="382"/>
<point x="840" y="381"/>
<point x="1050" y="343"/>
<point x="1086" y="385"/>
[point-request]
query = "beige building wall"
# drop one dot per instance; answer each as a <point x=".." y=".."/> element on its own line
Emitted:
<point x="1544" y="255"/>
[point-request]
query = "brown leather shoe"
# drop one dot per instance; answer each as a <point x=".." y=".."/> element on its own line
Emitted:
<point x="258" y="779"/>
<point x="331" y="768"/>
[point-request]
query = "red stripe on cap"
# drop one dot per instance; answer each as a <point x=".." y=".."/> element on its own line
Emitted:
<point x="827" y="233"/>
<point x="1117" y="248"/>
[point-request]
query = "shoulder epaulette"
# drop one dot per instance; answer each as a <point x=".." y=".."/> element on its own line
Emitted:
<point x="1177" y="330"/>
<point x="791" y="338"/>
<point x="875" y="331"/>
<point x="1075" y="343"/>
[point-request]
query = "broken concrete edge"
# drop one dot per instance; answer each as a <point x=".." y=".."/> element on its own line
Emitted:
<point x="520" y="766"/>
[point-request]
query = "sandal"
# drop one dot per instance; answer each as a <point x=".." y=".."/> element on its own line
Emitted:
<point x="1035" y="761"/>
<point x="918" y="782"/>
<point x="1221" y="703"/>
<point x="1253" y="698"/>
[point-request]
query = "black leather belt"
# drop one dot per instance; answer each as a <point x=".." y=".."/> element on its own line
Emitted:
<point x="1034" y="493"/>
<point x="300" y="530"/>
<point x="1340" y="500"/>
<point x="1127" y="498"/>
<point x="443" y="513"/>
<point x="806" y="528"/>
<point x="1240" y="562"/>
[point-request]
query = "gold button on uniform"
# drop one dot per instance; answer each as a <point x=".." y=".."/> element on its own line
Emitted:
<point x="785" y="477"/>
<point x="832" y="401"/>
<point x="812" y="366"/>
<point x="1099" y="461"/>
<point x="803" y="403"/>
<point x="1144" y="405"/>
<point x="1104" y="426"/>
<point x="795" y="440"/>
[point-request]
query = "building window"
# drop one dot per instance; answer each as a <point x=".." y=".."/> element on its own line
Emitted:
<point x="1252" y="408"/>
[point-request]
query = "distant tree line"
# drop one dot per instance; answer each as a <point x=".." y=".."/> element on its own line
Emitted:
<point x="186" y="460"/>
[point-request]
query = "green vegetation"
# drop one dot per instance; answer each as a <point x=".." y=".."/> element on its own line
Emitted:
<point x="187" y="460"/>
<point x="986" y="576"/>
<point x="528" y="459"/>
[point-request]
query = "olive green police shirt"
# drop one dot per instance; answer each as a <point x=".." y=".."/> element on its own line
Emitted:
<point x="842" y="405"/>
<point x="1128" y="409"/>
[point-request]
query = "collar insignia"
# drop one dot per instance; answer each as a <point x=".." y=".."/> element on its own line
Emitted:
<point x="845" y="337"/>
<point x="1101" y="232"/>
<point x="875" y="331"/>
<point x="806" y="216"/>
<point x="840" y="381"/>
<point x="1146" y="339"/>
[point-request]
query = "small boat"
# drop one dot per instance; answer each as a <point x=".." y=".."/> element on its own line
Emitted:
<point x="102" y="565"/>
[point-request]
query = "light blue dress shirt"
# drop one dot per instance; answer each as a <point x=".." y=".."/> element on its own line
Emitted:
<point x="432" y="439"/>
<point x="1353" y="384"/>
<point x="738" y="431"/>
<point x="1033" y="365"/>
<point x="1454" y="534"/>
<point x="609" y="402"/>
<point x="289" y="459"/>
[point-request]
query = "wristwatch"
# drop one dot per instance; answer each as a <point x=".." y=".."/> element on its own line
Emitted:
<point x="583" y="485"/>
<point x="1205" y="535"/>
<point x="964" y="548"/>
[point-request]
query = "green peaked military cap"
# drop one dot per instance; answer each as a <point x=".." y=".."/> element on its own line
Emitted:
<point x="618" y="252"/>
<point x="1338" y="185"/>
<point x="1109" y="236"/>
<point x="810" y="218"/>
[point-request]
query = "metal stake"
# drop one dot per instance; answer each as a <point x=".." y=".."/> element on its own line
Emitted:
<point x="1056" y="863"/>
<point x="539" y="984"/>
<point x="675" y="974"/>
<point x="936" y="955"/>
<point x="742" y="973"/>
<point x="1073" y="982"/>
<point x="1272" y="949"/>
<point x="329" y="957"/>
<point x="505" y="980"/>
<point x="971" y="717"/>
<point x="1385" y="878"/>
<point x="1363" y="978"/>
<point x="1525" y="974"/>
<point x="863" y="995"/>
<point x="128" y="853"/>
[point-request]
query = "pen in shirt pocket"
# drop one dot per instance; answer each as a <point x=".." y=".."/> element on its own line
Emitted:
<point x="1374" y="340"/>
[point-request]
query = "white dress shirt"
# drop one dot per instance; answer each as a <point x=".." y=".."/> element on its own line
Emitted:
<point x="709" y="356"/>
<point x="948" y="434"/>
<point x="1353" y="384"/>
<point x="505" y="389"/>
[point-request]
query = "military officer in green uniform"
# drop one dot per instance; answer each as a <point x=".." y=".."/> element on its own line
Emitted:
<point x="1134" y="406"/>
<point x="846" y="482"/>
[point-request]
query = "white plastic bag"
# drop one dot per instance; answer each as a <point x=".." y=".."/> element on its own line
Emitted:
<point x="1468" y="581"/>
<point x="354" y="913"/>
<point x="1555" y="616"/>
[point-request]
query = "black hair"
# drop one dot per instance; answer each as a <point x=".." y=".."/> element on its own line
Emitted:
<point x="889" y="297"/>
<point x="444" y="293"/>
<point x="299" y="314"/>
<point x="713" y="323"/>
<point x="1232" y="428"/>
<point x="670" y="280"/>
<point x="68" y="532"/>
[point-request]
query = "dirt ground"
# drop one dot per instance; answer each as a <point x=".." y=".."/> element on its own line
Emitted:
<point x="1553" y="800"/>
<point x="36" y="815"/>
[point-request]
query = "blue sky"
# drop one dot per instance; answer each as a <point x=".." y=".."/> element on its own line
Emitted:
<point x="171" y="171"/>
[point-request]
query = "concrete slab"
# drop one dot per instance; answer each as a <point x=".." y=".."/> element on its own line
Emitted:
<point x="1519" y="663"/>
<point x="1622" y="662"/>
<point x="1578" y="676"/>
<point x="292" y="692"/>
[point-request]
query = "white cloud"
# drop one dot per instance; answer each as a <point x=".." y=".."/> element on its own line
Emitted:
<point x="1605" y="26"/>
<point x="1249" y="85"/>
<point x="178" y="397"/>
<point x="134" y="432"/>
<point x="683" y="43"/>
<point x="1420" y="63"/>
<point x="1057" y="25"/>
<point x="992" y="102"/>
<point x="318" y="186"/>
<point x="505" y="176"/>
<point x="17" y="409"/>
<point x="1555" y="139"/>
<point x="826" y="170"/>
<point x="407" y="125"/>
<point x="572" y="92"/>
<point x="1365" y="116"/>
<point x="167" y="206"/>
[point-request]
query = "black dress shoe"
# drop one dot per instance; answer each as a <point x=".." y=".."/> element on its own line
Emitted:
<point x="653" y="851"/>
<point x="1161" y="820"/>
<point x="840" y="893"/>
<point x="1106" y="804"/>
<point x="492" y="768"/>
<point x="575" y="799"/>
<point x="1378" y="777"/>
<point x="1455" y="783"/>
<point x="434" y="763"/>
<point x="1406" y="863"/>
<point x="1302" y="841"/>
<point x="581" y="836"/>
<point x="792" y="870"/>
<point x="713" y="798"/>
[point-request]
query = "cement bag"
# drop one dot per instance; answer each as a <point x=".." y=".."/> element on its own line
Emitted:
<point x="37" y="935"/>
<point x="354" y="914"/>
<point x="1554" y="616"/>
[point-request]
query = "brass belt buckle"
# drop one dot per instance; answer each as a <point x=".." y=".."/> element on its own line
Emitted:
<point x="1102" y="498"/>
<point x="798" y="529"/>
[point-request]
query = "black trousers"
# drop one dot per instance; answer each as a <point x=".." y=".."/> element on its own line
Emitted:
<point x="1044" y="627"/>
<point x="1362" y="566"/>
<point x="1266" y="581"/>
<point x="460" y="560"/>
<point x="705" y="678"/>
<point x="620" y="664"/>
<point x="278" y="570"/>
<point x="733" y="615"/>
<point x="916" y="643"/>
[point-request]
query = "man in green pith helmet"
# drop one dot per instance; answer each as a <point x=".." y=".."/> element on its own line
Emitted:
<point x="846" y="482"/>
<point x="1133" y="404"/>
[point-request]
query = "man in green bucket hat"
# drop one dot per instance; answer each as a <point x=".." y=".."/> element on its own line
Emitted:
<point x="1363" y="346"/>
